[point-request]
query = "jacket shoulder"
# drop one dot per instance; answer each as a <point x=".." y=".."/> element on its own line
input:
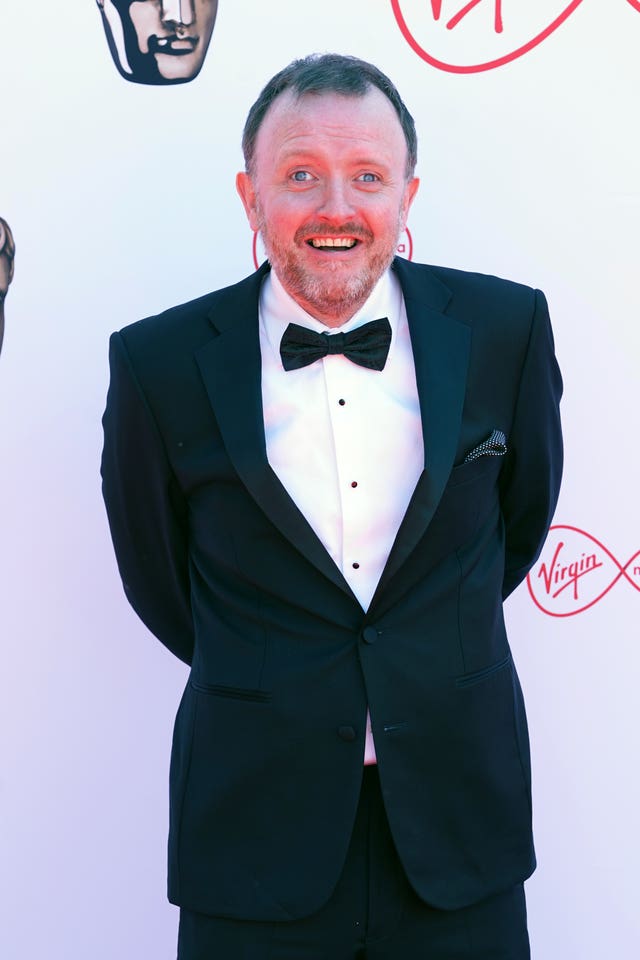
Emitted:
<point x="491" y="305"/>
<point x="160" y="351"/>
<point x="185" y="327"/>
<point x="473" y="283"/>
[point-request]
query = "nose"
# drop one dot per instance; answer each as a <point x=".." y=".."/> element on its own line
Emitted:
<point x="336" y="203"/>
<point x="177" y="11"/>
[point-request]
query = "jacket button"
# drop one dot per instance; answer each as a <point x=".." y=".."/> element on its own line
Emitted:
<point x="369" y="634"/>
<point x="346" y="733"/>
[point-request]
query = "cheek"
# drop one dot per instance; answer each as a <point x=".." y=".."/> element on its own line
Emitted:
<point x="388" y="224"/>
<point x="286" y="215"/>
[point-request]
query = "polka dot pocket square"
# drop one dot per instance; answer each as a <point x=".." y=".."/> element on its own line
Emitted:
<point x="494" y="446"/>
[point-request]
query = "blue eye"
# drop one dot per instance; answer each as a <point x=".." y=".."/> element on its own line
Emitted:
<point x="368" y="177"/>
<point x="300" y="176"/>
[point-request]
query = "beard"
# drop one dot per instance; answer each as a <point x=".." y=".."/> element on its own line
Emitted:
<point x="329" y="293"/>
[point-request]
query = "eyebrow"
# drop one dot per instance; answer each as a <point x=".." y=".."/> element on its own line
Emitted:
<point x="306" y="155"/>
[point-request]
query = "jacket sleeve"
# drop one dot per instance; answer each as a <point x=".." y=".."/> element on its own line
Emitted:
<point x="530" y="480"/>
<point x="146" y="510"/>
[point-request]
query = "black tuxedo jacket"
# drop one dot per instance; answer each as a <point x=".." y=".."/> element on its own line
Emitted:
<point x="227" y="573"/>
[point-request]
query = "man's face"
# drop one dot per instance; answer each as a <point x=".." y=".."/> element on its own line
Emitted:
<point x="159" y="41"/>
<point x="329" y="194"/>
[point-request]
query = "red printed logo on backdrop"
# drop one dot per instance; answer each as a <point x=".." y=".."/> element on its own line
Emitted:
<point x="404" y="248"/>
<point x="576" y="571"/>
<point x="479" y="35"/>
<point x="259" y="254"/>
<point x="405" y="245"/>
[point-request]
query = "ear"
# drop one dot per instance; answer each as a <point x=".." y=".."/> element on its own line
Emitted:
<point x="246" y="192"/>
<point x="409" y="193"/>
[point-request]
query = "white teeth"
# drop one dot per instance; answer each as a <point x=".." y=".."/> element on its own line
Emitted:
<point x="344" y="242"/>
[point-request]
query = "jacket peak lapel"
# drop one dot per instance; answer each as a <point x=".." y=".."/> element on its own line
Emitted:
<point x="441" y="347"/>
<point x="230" y="365"/>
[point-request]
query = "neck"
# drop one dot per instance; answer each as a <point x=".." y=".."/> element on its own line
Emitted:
<point x="334" y="314"/>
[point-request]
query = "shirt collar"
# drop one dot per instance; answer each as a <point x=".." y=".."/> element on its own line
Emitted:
<point x="278" y="309"/>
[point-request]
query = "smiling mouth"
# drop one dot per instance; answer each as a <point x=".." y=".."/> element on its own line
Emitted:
<point x="333" y="243"/>
<point x="173" y="45"/>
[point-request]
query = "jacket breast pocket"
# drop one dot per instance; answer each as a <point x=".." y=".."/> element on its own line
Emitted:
<point x="487" y="468"/>
<point x="469" y="497"/>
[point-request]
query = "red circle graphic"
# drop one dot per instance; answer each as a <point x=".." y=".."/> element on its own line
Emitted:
<point x="622" y="572"/>
<point x="254" y="249"/>
<point x="409" y="253"/>
<point x="490" y="64"/>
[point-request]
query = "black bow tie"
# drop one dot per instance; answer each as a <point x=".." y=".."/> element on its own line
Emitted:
<point x="368" y="345"/>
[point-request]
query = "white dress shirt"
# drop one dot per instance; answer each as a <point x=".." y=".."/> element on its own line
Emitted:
<point x="345" y="441"/>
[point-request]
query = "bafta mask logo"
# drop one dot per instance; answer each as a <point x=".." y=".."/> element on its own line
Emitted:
<point x="7" y="255"/>
<point x="158" y="41"/>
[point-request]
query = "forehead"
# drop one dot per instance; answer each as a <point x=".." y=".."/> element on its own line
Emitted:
<point x="331" y="121"/>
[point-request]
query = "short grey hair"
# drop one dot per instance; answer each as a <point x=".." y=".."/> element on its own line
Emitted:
<point x="328" y="73"/>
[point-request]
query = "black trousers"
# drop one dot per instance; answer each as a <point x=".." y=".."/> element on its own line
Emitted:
<point x="373" y="914"/>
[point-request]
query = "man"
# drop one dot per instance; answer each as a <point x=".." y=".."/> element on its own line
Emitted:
<point x="321" y="483"/>
<point x="7" y="257"/>
<point x="158" y="41"/>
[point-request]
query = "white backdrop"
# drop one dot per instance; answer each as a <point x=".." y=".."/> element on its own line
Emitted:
<point x="121" y="202"/>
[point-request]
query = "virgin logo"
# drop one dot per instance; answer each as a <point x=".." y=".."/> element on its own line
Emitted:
<point x="575" y="571"/>
<point x="404" y="248"/>
<point x="481" y="34"/>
